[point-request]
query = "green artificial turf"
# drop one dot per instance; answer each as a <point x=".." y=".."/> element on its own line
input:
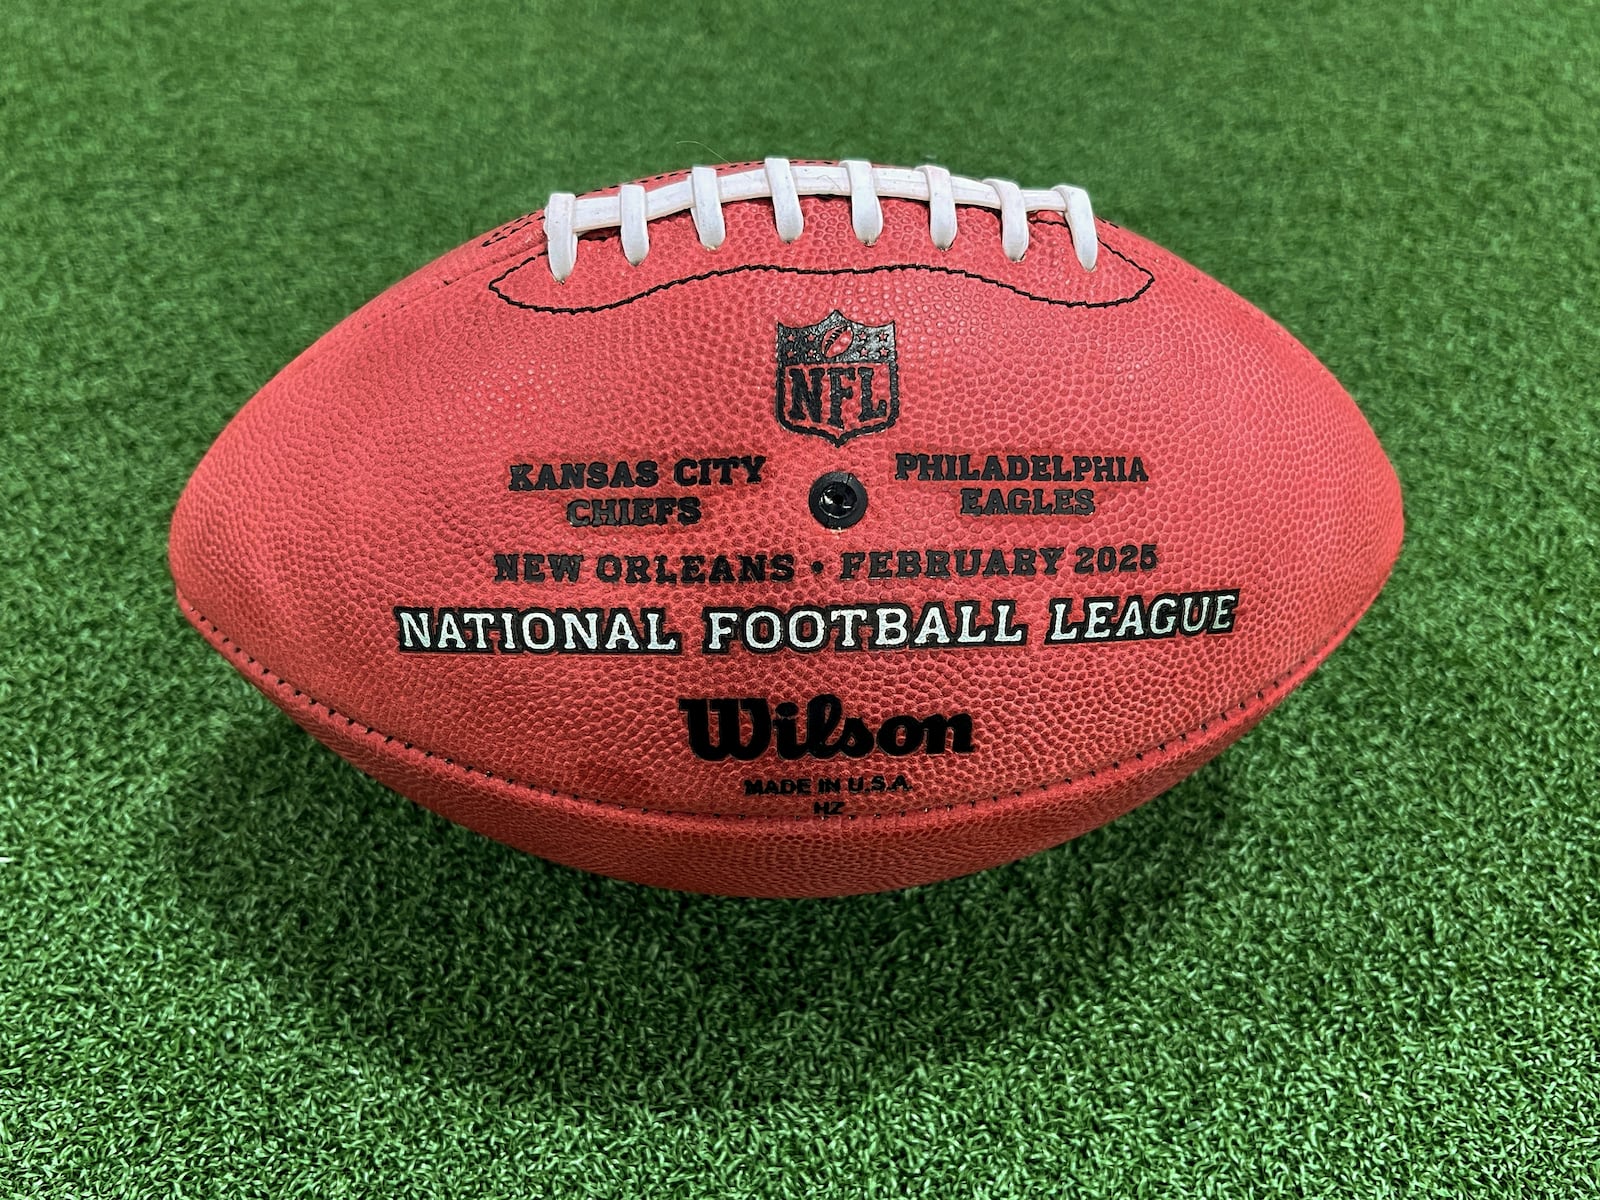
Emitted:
<point x="1357" y="955"/>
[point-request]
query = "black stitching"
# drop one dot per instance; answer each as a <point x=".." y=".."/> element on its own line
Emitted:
<point x="509" y="229"/>
<point x="494" y="284"/>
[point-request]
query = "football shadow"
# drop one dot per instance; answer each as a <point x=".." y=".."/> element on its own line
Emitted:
<point x="487" y="968"/>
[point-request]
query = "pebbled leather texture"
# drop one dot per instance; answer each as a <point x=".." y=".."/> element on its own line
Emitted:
<point x="376" y="472"/>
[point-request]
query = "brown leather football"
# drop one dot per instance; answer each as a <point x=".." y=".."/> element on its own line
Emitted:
<point x="790" y="529"/>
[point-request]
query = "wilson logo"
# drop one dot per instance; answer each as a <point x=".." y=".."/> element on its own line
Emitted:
<point x="745" y="728"/>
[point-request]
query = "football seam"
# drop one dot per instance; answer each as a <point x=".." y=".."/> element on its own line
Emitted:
<point x="510" y="229"/>
<point x="580" y="310"/>
<point x="374" y="312"/>
<point x="1233" y="712"/>
<point x="500" y="232"/>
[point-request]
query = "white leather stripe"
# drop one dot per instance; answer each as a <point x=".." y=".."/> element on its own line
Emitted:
<point x="631" y="218"/>
<point x="560" y="234"/>
<point x="941" y="205"/>
<point x="785" y="190"/>
<point x="866" y="214"/>
<point x="1013" y="219"/>
<point x="707" y="207"/>
<point x="1080" y="222"/>
<point x="783" y="184"/>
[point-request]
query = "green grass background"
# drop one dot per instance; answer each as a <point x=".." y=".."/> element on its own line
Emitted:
<point x="1357" y="955"/>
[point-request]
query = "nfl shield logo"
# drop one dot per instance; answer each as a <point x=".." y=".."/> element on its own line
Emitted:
<point x="837" y="379"/>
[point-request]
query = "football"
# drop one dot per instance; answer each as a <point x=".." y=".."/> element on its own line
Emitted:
<point x="790" y="529"/>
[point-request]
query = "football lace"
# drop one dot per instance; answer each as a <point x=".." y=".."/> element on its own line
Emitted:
<point x="705" y="191"/>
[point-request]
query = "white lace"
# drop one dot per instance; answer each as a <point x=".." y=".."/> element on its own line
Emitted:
<point x="704" y="193"/>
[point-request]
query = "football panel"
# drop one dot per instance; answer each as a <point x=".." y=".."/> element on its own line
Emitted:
<point x="376" y="479"/>
<point x="780" y="857"/>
